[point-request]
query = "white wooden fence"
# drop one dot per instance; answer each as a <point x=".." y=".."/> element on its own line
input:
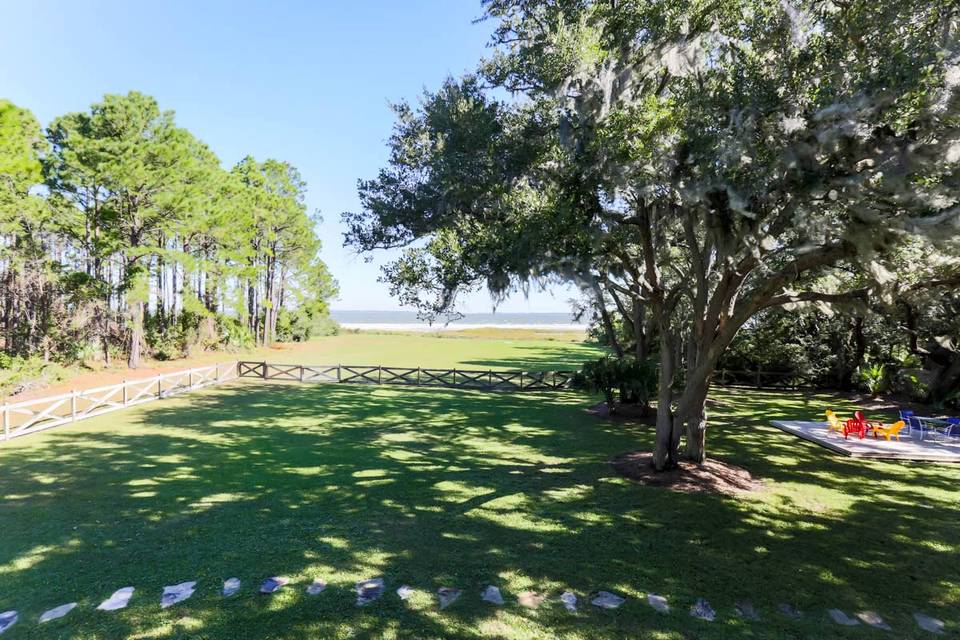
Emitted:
<point x="31" y="416"/>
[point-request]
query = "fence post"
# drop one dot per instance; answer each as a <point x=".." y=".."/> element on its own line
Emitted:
<point x="124" y="392"/>
<point x="159" y="388"/>
<point x="73" y="404"/>
<point x="758" y="379"/>
<point x="454" y="377"/>
<point x="418" y="376"/>
<point x="6" y="421"/>
<point x="216" y="373"/>
<point x="338" y="373"/>
<point x="490" y="379"/>
<point x="190" y="379"/>
<point x="301" y="373"/>
<point x="379" y="374"/>
<point x="521" y="381"/>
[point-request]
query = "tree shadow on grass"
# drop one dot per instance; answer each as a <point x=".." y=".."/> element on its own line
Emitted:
<point x="434" y="487"/>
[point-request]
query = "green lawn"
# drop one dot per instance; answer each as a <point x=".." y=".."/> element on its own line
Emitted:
<point x="436" y="487"/>
<point x="404" y="350"/>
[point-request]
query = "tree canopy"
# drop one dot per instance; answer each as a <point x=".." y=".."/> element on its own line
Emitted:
<point x="122" y="229"/>
<point x="697" y="163"/>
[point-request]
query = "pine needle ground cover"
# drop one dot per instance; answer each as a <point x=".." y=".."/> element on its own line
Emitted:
<point x="441" y="488"/>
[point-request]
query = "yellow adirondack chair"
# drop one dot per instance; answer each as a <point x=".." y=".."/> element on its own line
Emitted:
<point x="833" y="422"/>
<point x="893" y="431"/>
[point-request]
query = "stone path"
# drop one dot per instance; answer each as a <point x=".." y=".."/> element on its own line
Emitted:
<point x="273" y="584"/>
<point x="176" y="593"/>
<point x="230" y="587"/>
<point x="57" y="612"/>
<point x="368" y="591"/>
<point x="703" y="611"/>
<point x="927" y="623"/>
<point x="119" y="600"/>
<point x="530" y="599"/>
<point x="659" y="603"/>
<point x="607" y="600"/>
<point x="492" y="595"/>
<point x="7" y="620"/>
<point x="874" y="620"/>
<point x="447" y="596"/>
<point x="371" y="590"/>
<point x="841" y="618"/>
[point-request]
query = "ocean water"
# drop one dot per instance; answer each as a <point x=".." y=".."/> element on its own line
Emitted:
<point x="408" y="321"/>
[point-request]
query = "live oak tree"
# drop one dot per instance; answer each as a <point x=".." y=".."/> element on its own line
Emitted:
<point x="703" y="160"/>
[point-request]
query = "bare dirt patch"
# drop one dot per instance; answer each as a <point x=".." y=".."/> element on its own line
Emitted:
<point x="713" y="476"/>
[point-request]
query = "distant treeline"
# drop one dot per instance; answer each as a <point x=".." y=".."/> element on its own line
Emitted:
<point x="121" y="234"/>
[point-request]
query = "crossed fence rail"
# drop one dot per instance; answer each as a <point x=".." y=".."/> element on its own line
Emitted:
<point x="485" y="379"/>
<point x="31" y="416"/>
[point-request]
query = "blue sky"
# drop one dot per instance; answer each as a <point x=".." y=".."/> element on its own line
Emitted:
<point x="306" y="82"/>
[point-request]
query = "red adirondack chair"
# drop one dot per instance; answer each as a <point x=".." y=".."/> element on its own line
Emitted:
<point x="855" y="426"/>
<point x="868" y="425"/>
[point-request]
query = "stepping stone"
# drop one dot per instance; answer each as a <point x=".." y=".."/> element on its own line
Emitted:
<point x="230" y="587"/>
<point x="316" y="587"/>
<point x="57" y="612"/>
<point x="368" y="591"/>
<point x="176" y="593"/>
<point x="927" y="623"/>
<point x="841" y="618"/>
<point x="273" y="584"/>
<point x="745" y="610"/>
<point x="447" y="596"/>
<point x="607" y="600"/>
<point x="569" y="601"/>
<point x="492" y="595"/>
<point x="790" y="611"/>
<point x="119" y="600"/>
<point x="530" y="599"/>
<point x="659" y="603"/>
<point x="405" y="592"/>
<point x="874" y="620"/>
<point x="7" y="620"/>
<point x="703" y="611"/>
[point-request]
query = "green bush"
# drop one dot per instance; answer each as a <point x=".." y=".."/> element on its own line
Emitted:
<point x="22" y="374"/>
<point x="874" y="378"/>
<point x="636" y="381"/>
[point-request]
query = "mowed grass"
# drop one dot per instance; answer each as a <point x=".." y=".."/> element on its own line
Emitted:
<point x="497" y="349"/>
<point x="437" y="487"/>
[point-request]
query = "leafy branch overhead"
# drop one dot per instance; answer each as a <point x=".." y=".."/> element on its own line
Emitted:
<point x="701" y="161"/>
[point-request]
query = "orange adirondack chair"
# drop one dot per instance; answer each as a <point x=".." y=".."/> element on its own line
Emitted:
<point x="893" y="431"/>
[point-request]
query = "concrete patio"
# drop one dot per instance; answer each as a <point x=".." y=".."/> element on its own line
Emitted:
<point x="909" y="447"/>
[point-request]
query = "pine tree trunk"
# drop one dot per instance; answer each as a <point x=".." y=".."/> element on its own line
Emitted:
<point x="136" y="333"/>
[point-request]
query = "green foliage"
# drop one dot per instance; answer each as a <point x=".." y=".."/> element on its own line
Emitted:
<point x="235" y="333"/>
<point x="636" y="381"/>
<point x="294" y="326"/>
<point x="874" y="378"/>
<point x="142" y="239"/>
<point x="19" y="374"/>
